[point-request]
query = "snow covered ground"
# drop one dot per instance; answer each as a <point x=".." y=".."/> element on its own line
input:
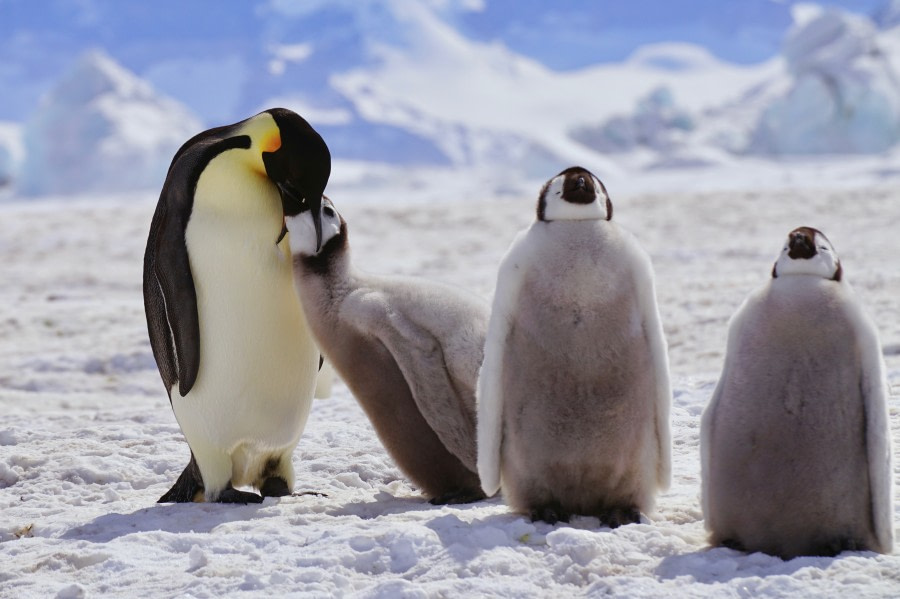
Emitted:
<point x="88" y="441"/>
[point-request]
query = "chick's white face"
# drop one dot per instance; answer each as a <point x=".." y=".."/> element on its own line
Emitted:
<point x="574" y="194"/>
<point x="303" y="231"/>
<point x="808" y="252"/>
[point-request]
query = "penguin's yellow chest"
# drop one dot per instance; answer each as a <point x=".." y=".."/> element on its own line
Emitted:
<point x="258" y="362"/>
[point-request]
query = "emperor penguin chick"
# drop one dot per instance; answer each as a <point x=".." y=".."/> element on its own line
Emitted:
<point x="226" y="326"/>
<point x="573" y="396"/>
<point x="408" y="349"/>
<point x="795" y="442"/>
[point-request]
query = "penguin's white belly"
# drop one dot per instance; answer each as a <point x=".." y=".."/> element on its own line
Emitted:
<point x="788" y="467"/>
<point x="579" y="397"/>
<point x="258" y="362"/>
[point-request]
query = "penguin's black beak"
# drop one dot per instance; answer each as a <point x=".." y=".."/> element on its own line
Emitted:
<point x="294" y="201"/>
<point x="579" y="189"/>
<point x="314" y="203"/>
<point x="801" y="246"/>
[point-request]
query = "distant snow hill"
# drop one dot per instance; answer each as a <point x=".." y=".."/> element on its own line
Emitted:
<point x="407" y="88"/>
<point x="101" y="129"/>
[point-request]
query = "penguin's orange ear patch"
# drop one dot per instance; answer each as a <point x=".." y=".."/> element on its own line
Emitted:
<point x="271" y="142"/>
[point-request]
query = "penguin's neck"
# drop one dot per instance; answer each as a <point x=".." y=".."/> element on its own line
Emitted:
<point x="332" y="262"/>
<point x="327" y="276"/>
<point x="230" y="194"/>
<point x="235" y="221"/>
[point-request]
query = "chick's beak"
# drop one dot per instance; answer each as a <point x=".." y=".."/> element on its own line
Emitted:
<point x="294" y="201"/>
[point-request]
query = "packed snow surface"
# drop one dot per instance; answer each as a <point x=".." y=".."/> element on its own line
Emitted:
<point x="88" y="441"/>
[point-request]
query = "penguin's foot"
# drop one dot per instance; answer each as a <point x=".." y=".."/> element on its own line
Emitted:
<point x="550" y="513"/>
<point x="458" y="496"/>
<point x="232" y="495"/>
<point x="618" y="516"/>
<point x="275" y="486"/>
<point x="188" y="486"/>
<point x="733" y="544"/>
<point x="836" y="546"/>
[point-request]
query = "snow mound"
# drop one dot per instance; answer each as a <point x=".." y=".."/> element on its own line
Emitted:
<point x="844" y="95"/>
<point x="657" y="123"/>
<point x="673" y="57"/>
<point x="102" y="128"/>
<point x="327" y="39"/>
<point x="429" y="81"/>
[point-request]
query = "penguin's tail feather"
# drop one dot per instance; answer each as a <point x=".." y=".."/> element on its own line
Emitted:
<point x="186" y="488"/>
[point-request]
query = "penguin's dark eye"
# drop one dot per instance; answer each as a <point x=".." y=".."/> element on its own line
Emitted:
<point x="329" y="211"/>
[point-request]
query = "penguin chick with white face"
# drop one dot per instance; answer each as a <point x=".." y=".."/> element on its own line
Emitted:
<point x="795" y="442"/>
<point x="225" y="323"/>
<point x="408" y="349"/>
<point x="573" y="396"/>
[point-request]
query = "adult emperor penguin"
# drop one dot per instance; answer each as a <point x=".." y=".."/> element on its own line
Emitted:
<point x="573" y="396"/>
<point x="225" y="323"/>
<point x="408" y="349"/>
<point x="795" y="442"/>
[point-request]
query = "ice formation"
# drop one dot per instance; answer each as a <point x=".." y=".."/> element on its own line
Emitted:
<point x="101" y="128"/>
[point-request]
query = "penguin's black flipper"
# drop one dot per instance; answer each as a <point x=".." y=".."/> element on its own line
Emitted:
<point x="186" y="487"/>
<point x="170" y="300"/>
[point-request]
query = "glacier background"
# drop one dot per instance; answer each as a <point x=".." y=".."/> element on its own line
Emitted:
<point x="98" y="95"/>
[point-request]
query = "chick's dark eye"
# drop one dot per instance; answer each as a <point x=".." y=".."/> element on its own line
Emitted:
<point x="328" y="210"/>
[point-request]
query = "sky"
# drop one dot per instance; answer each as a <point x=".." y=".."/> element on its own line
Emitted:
<point x="736" y="30"/>
<point x="205" y="54"/>
<point x="741" y="31"/>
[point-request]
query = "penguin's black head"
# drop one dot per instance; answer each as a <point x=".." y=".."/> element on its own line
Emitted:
<point x="808" y="252"/>
<point x="300" y="166"/>
<point x="574" y="194"/>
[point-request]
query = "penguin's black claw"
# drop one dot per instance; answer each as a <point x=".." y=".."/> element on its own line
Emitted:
<point x="232" y="495"/>
<point x="837" y="545"/>
<point x="313" y="493"/>
<point x="616" y="517"/>
<point x="551" y="514"/>
<point x="458" y="496"/>
<point x="275" y="486"/>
